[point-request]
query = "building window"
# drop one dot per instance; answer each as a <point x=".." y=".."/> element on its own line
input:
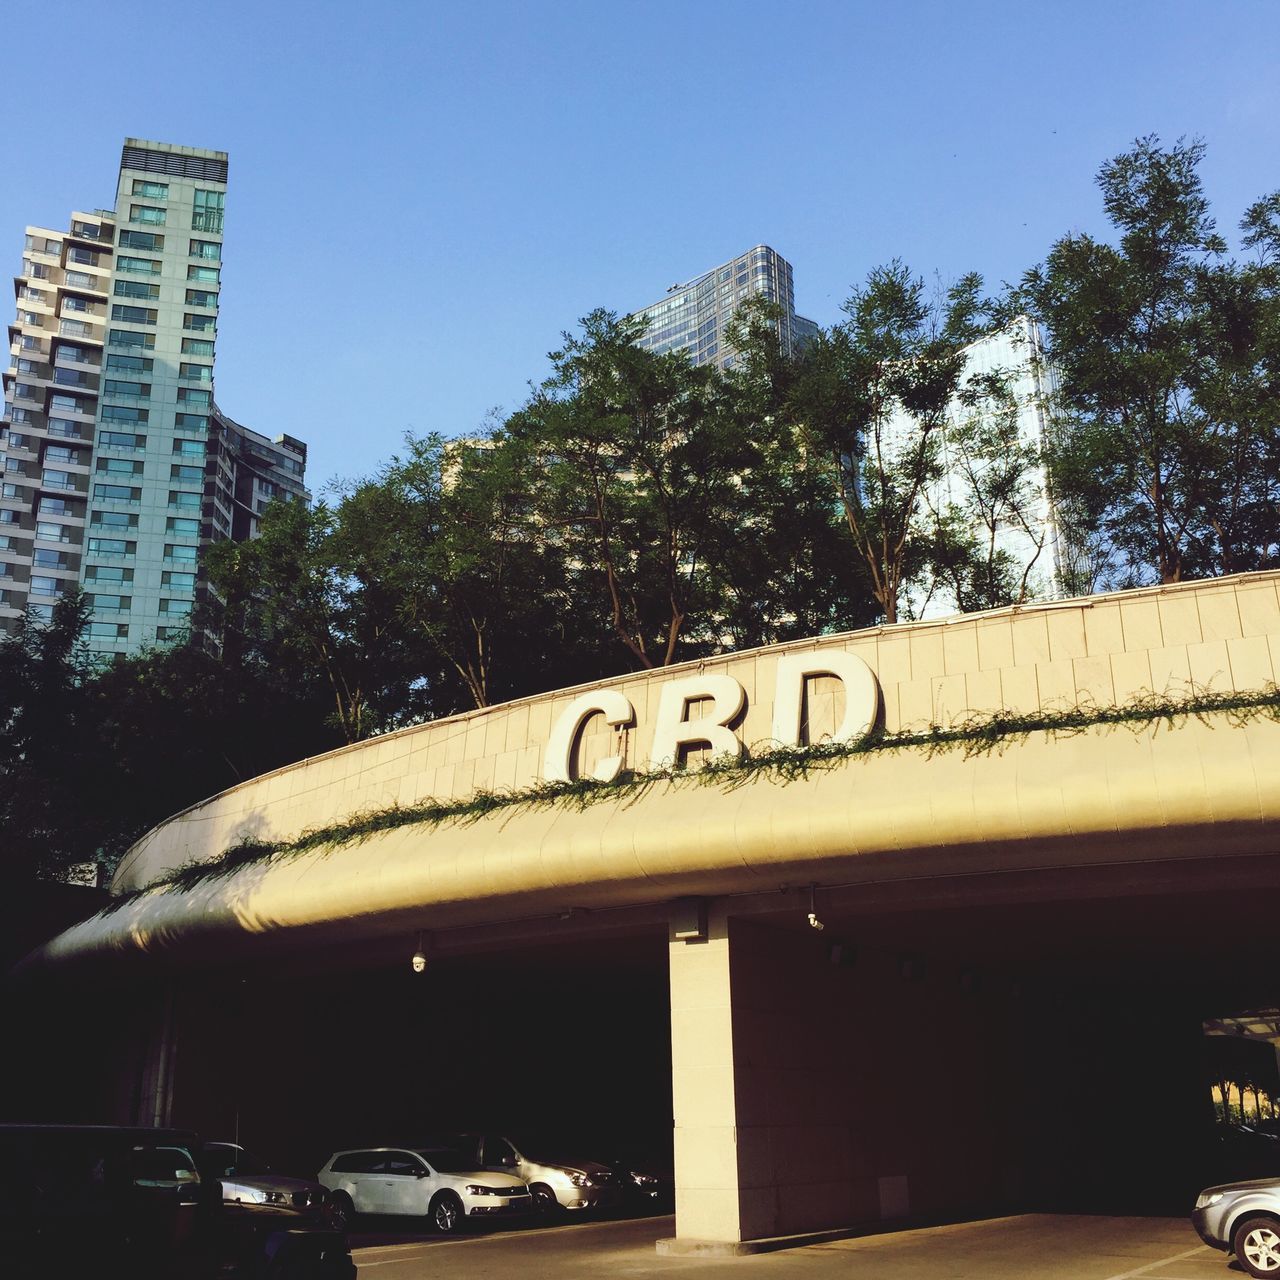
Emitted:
<point x="109" y="630"/>
<point x="184" y="501"/>
<point x="208" y="249"/>
<point x="113" y="603"/>
<point x="121" y="440"/>
<point x="72" y="303"/>
<point x="174" y="551"/>
<point x="201" y="298"/>
<point x="119" y="413"/>
<point x="135" y="289"/>
<point x="152" y="190"/>
<point x="189" y="448"/>
<point x="119" y="467"/>
<point x="108" y="573"/>
<point x="187" y="474"/>
<point x="113" y="520"/>
<point x="116" y="493"/>
<point x="189" y="396"/>
<point x="129" y="364"/>
<point x="139" y="266"/>
<point x="61" y="453"/>
<point x="134" y="315"/>
<point x="191" y="422"/>
<point x="146" y="240"/>
<point x="198" y="324"/>
<point x="148" y="214"/>
<point x="178" y="581"/>
<point x="115" y="387"/>
<point x="197" y="347"/>
<point x="42" y="586"/>
<point x="52" y="479"/>
<point x="203" y="275"/>
<point x="176" y="524"/>
<point x="112" y="546"/>
<point x="196" y="372"/>
<point x="207" y="215"/>
<point x="48" y="559"/>
<point x="179" y="608"/>
<point x="128" y="338"/>
<point x="56" y="507"/>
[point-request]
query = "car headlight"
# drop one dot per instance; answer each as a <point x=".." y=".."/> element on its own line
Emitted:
<point x="250" y="1195"/>
<point x="1207" y="1198"/>
<point x="477" y="1190"/>
<point x="643" y="1179"/>
<point x="579" y="1180"/>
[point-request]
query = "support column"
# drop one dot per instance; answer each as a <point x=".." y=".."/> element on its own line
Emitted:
<point x="154" y="1106"/>
<point x="702" y="1083"/>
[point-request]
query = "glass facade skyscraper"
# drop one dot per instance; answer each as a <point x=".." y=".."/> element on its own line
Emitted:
<point x="117" y="466"/>
<point x="693" y="317"/>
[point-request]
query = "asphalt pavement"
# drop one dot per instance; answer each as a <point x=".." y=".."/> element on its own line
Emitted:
<point x="1026" y="1247"/>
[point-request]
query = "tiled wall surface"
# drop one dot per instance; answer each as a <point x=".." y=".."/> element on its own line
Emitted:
<point x="1221" y="634"/>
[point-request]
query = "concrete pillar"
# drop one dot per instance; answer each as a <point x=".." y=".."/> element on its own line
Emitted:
<point x="813" y="1095"/>
<point x="154" y="1094"/>
<point x="702" y="1071"/>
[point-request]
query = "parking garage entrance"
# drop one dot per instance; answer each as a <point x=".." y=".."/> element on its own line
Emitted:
<point x="1025" y="922"/>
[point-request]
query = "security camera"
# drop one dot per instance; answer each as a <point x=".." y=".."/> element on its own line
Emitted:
<point x="419" y="962"/>
<point x="815" y="923"/>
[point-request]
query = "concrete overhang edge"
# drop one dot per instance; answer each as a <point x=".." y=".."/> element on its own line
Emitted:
<point x="1207" y="786"/>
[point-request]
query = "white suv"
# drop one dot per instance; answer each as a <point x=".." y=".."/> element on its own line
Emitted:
<point x="557" y="1182"/>
<point x="439" y="1184"/>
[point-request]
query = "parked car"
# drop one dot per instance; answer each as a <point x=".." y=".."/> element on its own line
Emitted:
<point x="645" y="1189"/>
<point x="440" y="1183"/>
<point x="558" y="1181"/>
<point x="250" y="1183"/>
<point x="86" y="1200"/>
<point x="1243" y="1218"/>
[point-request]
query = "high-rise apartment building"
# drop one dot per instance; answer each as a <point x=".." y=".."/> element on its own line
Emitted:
<point x="693" y="316"/>
<point x="117" y="465"/>
<point x="1017" y="520"/>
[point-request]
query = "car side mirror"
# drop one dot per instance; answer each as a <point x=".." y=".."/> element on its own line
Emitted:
<point x="423" y="1173"/>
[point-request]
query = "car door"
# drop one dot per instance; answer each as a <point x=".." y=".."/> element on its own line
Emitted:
<point x="362" y="1172"/>
<point x="405" y="1186"/>
<point x="499" y="1156"/>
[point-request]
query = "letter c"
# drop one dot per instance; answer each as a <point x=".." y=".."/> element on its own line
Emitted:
<point x="559" y="764"/>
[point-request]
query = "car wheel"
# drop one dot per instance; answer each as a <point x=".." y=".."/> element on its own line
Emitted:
<point x="1257" y="1246"/>
<point x="445" y="1213"/>
<point x="544" y="1201"/>
<point x="339" y="1212"/>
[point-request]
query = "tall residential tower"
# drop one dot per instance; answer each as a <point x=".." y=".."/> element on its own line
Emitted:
<point x="693" y="316"/>
<point x="116" y="463"/>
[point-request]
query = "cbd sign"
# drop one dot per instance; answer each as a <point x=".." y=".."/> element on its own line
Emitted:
<point x="674" y="731"/>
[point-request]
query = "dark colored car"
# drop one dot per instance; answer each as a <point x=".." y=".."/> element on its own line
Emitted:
<point x="103" y="1201"/>
<point x="646" y="1188"/>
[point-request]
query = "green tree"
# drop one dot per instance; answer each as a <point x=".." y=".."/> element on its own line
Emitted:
<point x="1166" y="442"/>
<point x="870" y="398"/>
<point x="637" y="476"/>
<point x="46" y="742"/>
<point x="292" y="600"/>
<point x="448" y="533"/>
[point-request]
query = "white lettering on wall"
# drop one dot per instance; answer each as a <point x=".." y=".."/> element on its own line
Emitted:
<point x="861" y="694"/>
<point x="673" y="731"/>
<point x="560" y="764"/>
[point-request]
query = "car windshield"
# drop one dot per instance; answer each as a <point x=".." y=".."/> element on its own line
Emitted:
<point x="448" y="1159"/>
<point x="232" y="1162"/>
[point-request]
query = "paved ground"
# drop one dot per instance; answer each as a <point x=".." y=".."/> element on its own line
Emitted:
<point x="1028" y="1247"/>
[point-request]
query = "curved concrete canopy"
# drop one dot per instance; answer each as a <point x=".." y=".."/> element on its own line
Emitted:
<point x="1204" y="787"/>
<point x="1104" y="795"/>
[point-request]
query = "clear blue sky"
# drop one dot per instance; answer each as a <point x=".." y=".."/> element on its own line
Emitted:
<point x="423" y="195"/>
